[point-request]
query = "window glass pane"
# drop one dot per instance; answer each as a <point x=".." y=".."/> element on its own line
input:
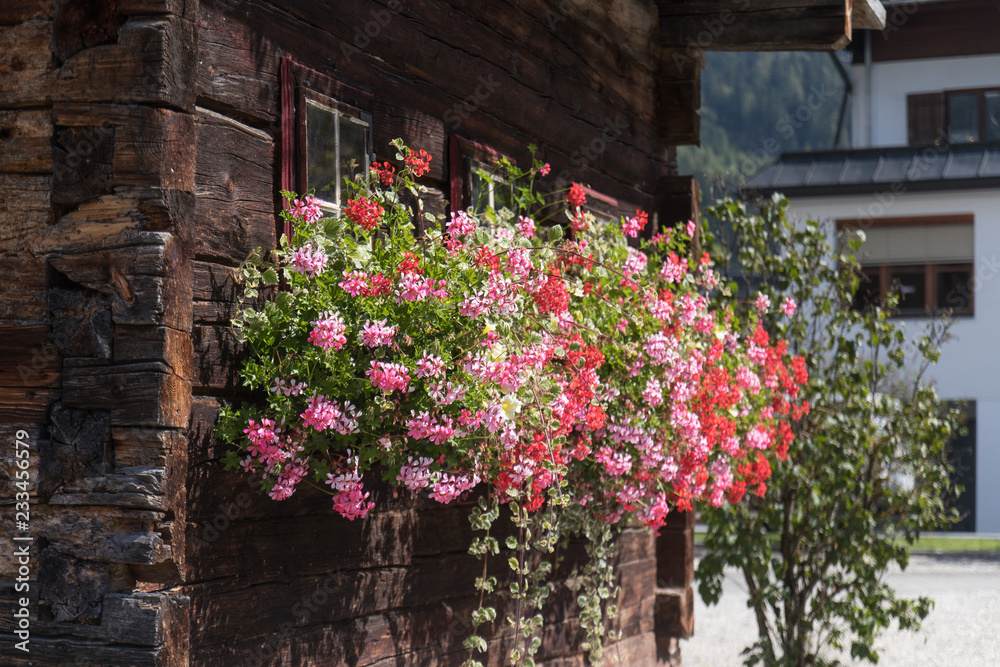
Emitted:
<point x="963" y="117"/>
<point x="993" y="115"/>
<point x="353" y="147"/>
<point x="321" y="151"/>
<point x="911" y="287"/>
<point x="868" y="294"/>
<point x="954" y="289"/>
<point x="480" y="190"/>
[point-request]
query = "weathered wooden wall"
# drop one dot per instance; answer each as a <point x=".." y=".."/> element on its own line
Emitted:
<point x="97" y="182"/>
<point x="139" y="144"/>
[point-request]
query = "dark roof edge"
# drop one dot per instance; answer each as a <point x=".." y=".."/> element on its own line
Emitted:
<point x="940" y="185"/>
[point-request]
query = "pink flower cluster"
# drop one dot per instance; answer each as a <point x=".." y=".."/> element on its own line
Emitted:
<point x="323" y="414"/>
<point x="389" y="377"/>
<point x="414" y="287"/>
<point x="430" y="366"/>
<point x="308" y="261"/>
<point x="526" y="226"/>
<point x="349" y="494"/>
<point x="328" y="331"/>
<point x="306" y="209"/>
<point x="415" y="474"/>
<point x="447" y="488"/>
<point x="377" y="334"/>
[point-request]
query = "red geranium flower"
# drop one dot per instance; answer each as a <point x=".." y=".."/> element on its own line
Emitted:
<point x="385" y="172"/>
<point x="419" y="162"/>
<point x="576" y="196"/>
<point x="365" y="212"/>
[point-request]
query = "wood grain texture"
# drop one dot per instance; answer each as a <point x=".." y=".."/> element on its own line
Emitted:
<point x="235" y="183"/>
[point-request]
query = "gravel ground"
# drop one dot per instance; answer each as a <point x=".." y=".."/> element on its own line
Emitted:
<point x="963" y="629"/>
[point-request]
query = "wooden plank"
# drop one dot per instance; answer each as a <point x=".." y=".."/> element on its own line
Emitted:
<point x="674" y="612"/>
<point x="26" y="63"/>
<point x="20" y="405"/>
<point x="26" y="141"/>
<point x="350" y="594"/>
<point x="867" y="15"/>
<point x="152" y="62"/>
<point x="136" y="394"/>
<point x="164" y="344"/>
<point x="9" y="466"/>
<point x="769" y="25"/>
<point x="46" y="652"/>
<point x="235" y="184"/>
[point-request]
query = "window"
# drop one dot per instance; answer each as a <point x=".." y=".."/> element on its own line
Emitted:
<point x="477" y="181"/>
<point x="334" y="143"/>
<point x="927" y="261"/>
<point x="326" y="133"/>
<point x="488" y="188"/>
<point x="960" y="116"/>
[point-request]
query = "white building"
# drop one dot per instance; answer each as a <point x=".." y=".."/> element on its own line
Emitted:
<point x="923" y="180"/>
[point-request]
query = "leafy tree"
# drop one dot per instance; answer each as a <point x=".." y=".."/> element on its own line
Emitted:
<point x="867" y="470"/>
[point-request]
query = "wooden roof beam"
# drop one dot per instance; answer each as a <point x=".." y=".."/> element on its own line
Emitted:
<point x="765" y="25"/>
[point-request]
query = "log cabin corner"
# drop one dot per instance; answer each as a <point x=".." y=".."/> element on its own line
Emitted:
<point x="143" y="144"/>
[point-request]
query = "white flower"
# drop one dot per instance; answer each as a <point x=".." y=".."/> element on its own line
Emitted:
<point x="510" y="406"/>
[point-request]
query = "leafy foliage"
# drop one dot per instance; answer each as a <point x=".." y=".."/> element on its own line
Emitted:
<point x="867" y="471"/>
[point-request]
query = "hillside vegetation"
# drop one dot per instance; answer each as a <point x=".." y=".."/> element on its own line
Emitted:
<point x="756" y="106"/>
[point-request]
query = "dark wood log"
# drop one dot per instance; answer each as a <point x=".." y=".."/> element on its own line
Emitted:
<point x="136" y="394"/>
<point x="674" y="613"/>
<point x="22" y="288"/>
<point x="215" y="292"/>
<point x="26" y="200"/>
<point x="185" y="8"/>
<point x="130" y="217"/>
<point x="26" y="141"/>
<point x="164" y="344"/>
<point x="236" y="209"/>
<point x="27" y="357"/>
<point x="143" y="619"/>
<point x="218" y="358"/>
<point x="136" y="447"/>
<point x="81" y="323"/>
<point x="152" y="62"/>
<point x="26" y="63"/>
<point x="349" y="594"/>
<point x="79" y="448"/>
<point x="679" y="197"/>
<point x="151" y="146"/>
<point x="769" y="25"/>
<point x="84" y="24"/>
<point x="106" y="534"/>
<point x="18" y="11"/>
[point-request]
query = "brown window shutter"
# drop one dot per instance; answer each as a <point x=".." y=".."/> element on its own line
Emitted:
<point x="924" y="118"/>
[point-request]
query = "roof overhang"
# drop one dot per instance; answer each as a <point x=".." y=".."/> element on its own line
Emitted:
<point x="766" y="25"/>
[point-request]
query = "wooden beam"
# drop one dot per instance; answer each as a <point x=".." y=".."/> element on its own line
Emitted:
<point x="762" y="25"/>
<point x="867" y="15"/>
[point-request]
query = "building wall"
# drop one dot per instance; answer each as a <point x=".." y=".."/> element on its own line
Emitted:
<point x="892" y="81"/>
<point x="969" y="365"/>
